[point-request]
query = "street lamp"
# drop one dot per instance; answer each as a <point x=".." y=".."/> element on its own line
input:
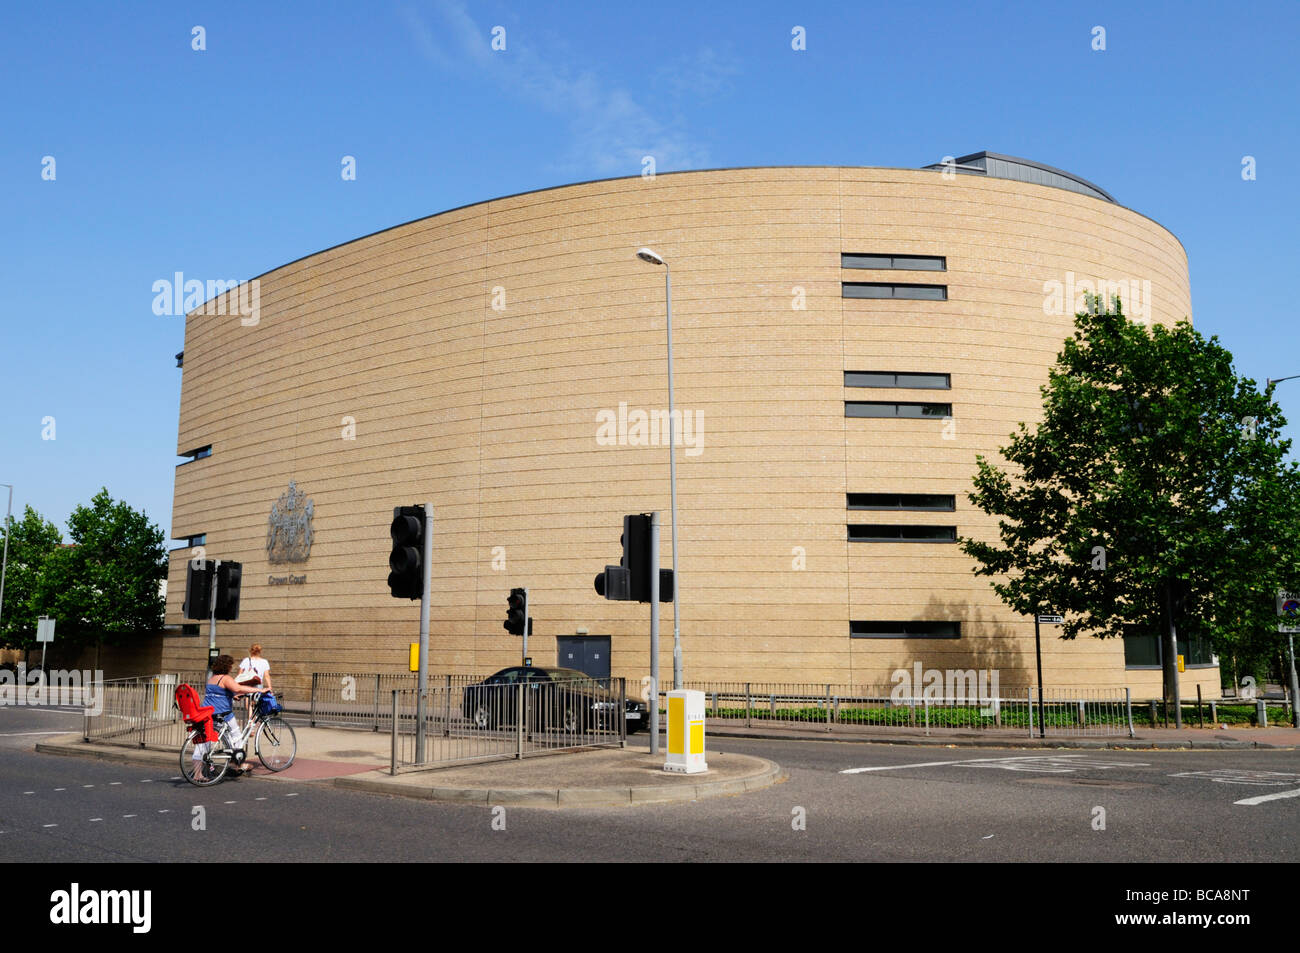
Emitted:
<point x="653" y="258"/>
<point x="4" y="566"/>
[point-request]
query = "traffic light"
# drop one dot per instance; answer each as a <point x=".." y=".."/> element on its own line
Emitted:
<point x="229" y="576"/>
<point x="630" y="579"/>
<point x="517" y="603"/>
<point x="406" y="581"/>
<point x="636" y="555"/>
<point x="198" y="589"/>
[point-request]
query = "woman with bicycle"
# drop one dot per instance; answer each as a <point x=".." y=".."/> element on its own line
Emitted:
<point x="221" y="691"/>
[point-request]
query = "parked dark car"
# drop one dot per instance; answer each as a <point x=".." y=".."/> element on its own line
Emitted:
<point x="558" y="699"/>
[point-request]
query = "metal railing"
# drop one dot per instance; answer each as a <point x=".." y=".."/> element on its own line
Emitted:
<point x="1065" y="712"/>
<point x="474" y="722"/>
<point x="140" y="712"/>
<point x="363" y="700"/>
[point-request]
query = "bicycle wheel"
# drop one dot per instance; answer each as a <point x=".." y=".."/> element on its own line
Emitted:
<point x="206" y="770"/>
<point x="277" y="745"/>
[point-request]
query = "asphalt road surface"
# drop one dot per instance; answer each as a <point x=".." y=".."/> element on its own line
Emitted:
<point x="843" y="802"/>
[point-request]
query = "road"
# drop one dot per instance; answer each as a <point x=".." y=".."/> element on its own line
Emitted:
<point x="843" y="802"/>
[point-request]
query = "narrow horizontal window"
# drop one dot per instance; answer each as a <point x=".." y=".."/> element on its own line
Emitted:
<point x="905" y="630"/>
<point x="902" y="379"/>
<point x="198" y="454"/>
<point x="876" y="408"/>
<point x="901" y="501"/>
<point x="189" y="542"/>
<point x="883" y="533"/>
<point x="876" y="289"/>
<point x="904" y="262"/>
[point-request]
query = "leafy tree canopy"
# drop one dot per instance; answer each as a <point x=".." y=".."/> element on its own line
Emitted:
<point x="1156" y="477"/>
<point x="102" y="587"/>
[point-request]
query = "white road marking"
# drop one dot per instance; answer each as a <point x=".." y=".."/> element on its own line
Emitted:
<point x="259" y="799"/>
<point x="899" y="767"/>
<point x="232" y="802"/>
<point x="1051" y="764"/>
<point x="87" y="785"/>
<point x="165" y="810"/>
<point x="60" y="789"/>
<point x="1277" y="796"/>
<point x="49" y="825"/>
<point x="1243" y="776"/>
<point x="294" y="794"/>
<point x="128" y="815"/>
<point x="146" y="780"/>
<point x="29" y="792"/>
<point x="93" y="819"/>
<point x="114" y="782"/>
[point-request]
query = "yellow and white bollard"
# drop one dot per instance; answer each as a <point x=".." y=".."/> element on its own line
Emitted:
<point x="686" y="732"/>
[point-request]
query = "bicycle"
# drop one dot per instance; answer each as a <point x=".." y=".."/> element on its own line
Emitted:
<point x="273" y="739"/>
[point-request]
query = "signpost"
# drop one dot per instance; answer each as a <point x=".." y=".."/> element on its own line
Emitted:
<point x="1044" y="619"/>
<point x="1288" y="608"/>
<point x="44" y="635"/>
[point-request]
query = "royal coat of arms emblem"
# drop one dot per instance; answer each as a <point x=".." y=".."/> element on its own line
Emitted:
<point x="288" y="531"/>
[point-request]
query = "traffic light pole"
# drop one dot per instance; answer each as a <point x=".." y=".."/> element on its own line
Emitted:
<point x="654" y="631"/>
<point x="422" y="678"/>
<point x="526" y="619"/>
<point x="212" y="615"/>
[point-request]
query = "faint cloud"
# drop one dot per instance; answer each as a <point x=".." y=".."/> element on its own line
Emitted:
<point x="704" y="74"/>
<point x="610" y="126"/>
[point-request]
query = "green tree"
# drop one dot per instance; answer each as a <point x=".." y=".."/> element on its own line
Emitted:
<point x="1153" y="493"/>
<point x="32" y="542"/>
<point x="104" y="588"/>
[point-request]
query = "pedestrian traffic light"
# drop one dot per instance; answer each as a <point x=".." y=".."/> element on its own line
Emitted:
<point x="517" y="604"/>
<point x="229" y="576"/>
<point x="198" y="589"/>
<point x="666" y="585"/>
<point x="406" y="581"/>
<point x="614" y="583"/>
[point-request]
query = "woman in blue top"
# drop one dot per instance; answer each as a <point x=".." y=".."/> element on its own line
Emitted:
<point x="221" y="691"/>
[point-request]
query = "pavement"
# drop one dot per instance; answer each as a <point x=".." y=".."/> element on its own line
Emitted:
<point x="358" y="760"/>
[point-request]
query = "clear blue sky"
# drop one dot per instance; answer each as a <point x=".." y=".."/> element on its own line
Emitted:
<point x="225" y="163"/>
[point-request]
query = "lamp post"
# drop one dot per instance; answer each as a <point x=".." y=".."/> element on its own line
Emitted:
<point x="4" y="566"/>
<point x="652" y="258"/>
<point x="1290" y="638"/>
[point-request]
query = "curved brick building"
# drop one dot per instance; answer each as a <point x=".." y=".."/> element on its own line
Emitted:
<point x="846" y="340"/>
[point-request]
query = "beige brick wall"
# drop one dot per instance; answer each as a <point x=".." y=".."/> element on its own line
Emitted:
<point x="492" y="416"/>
